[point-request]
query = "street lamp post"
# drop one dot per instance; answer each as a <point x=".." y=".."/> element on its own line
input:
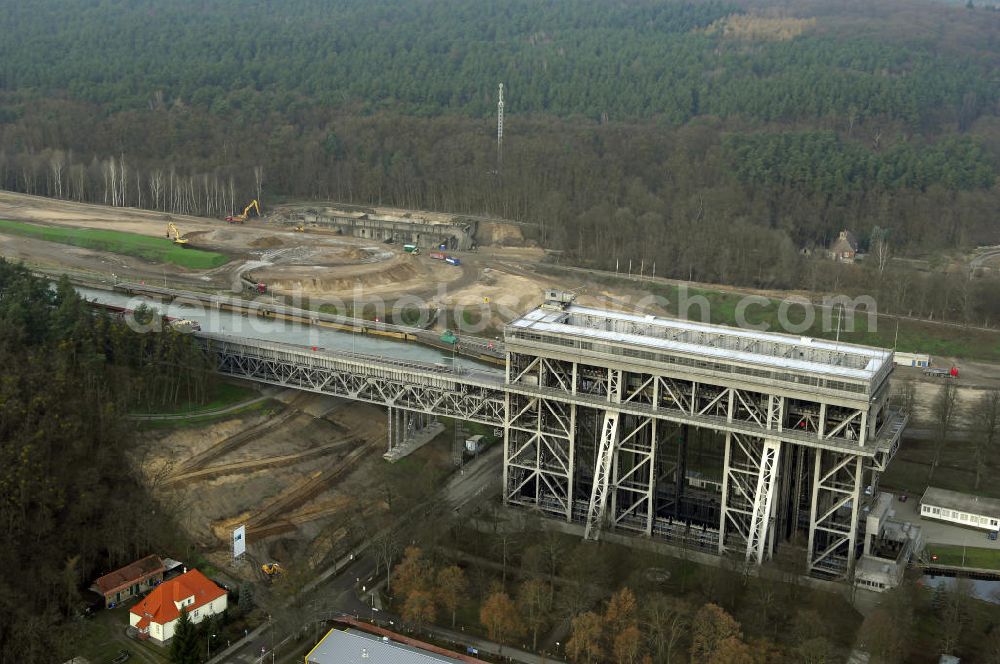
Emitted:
<point x="208" y="643"/>
<point x="272" y="640"/>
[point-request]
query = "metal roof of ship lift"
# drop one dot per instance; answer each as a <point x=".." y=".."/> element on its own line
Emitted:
<point x="769" y="349"/>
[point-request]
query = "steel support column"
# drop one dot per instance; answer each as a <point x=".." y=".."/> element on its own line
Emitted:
<point x="836" y="498"/>
<point x="751" y="471"/>
<point x="602" y="475"/>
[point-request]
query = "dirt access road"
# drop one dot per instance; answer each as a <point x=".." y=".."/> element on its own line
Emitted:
<point x="312" y="264"/>
<point x="496" y="283"/>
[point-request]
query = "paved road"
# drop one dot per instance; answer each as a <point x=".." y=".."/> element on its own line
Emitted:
<point x="936" y="532"/>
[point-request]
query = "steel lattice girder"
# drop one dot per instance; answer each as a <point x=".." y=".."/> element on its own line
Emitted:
<point x="749" y="478"/>
<point x="602" y="475"/>
<point x="456" y="396"/>
<point x="474" y="404"/>
<point x="634" y="473"/>
<point x="834" y="511"/>
<point x="748" y="415"/>
<point x="763" y="499"/>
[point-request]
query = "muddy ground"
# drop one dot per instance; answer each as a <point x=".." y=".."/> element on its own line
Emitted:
<point x="290" y="517"/>
<point x="315" y="265"/>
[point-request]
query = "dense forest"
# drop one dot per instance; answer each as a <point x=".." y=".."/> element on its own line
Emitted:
<point x="683" y="133"/>
<point x="70" y="506"/>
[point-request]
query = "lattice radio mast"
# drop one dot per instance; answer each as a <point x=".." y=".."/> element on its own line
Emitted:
<point x="500" y="130"/>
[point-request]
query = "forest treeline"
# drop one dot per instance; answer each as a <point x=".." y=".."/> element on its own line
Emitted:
<point x="71" y="506"/>
<point x="700" y="136"/>
<point x="538" y="590"/>
<point x="624" y="60"/>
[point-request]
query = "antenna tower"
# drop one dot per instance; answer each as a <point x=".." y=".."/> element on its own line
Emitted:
<point x="500" y="130"/>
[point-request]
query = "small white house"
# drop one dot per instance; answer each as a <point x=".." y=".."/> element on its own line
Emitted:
<point x="156" y="615"/>
<point x="922" y="360"/>
<point x="961" y="508"/>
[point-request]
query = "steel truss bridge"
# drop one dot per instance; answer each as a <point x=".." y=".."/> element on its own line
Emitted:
<point x="597" y="410"/>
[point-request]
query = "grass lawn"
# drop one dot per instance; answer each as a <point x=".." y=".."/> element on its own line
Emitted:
<point x="967" y="556"/>
<point x="914" y="336"/>
<point x="196" y="421"/>
<point x="152" y="249"/>
<point x="99" y="639"/>
<point x="220" y="395"/>
<point x="908" y="472"/>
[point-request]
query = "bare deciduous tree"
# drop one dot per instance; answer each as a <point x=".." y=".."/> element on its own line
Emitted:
<point x="880" y="248"/>
<point x="258" y="178"/>
<point x="667" y="620"/>
<point x="944" y="417"/>
<point x="988" y="425"/>
<point x="57" y="162"/>
<point x="156" y="187"/>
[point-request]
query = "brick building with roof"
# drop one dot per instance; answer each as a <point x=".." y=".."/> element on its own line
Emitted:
<point x="155" y="616"/>
<point x="131" y="580"/>
<point x="845" y="248"/>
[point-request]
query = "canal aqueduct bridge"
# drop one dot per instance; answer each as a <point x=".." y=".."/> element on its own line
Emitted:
<point x="600" y="410"/>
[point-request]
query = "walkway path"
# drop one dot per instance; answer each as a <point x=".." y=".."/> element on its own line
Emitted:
<point x="156" y="417"/>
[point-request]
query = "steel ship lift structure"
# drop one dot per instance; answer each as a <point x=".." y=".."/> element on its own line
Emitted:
<point x="597" y="409"/>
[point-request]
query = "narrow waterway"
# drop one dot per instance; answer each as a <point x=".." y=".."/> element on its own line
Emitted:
<point x="284" y="331"/>
<point x="988" y="591"/>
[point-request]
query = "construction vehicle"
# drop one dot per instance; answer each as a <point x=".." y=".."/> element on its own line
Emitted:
<point x="240" y="218"/>
<point x="271" y="569"/>
<point x="249" y="283"/>
<point x="177" y="234"/>
<point x="437" y="255"/>
<point x="411" y="249"/>
<point x="185" y="325"/>
<point x="942" y="373"/>
<point x="451" y="260"/>
<point x="300" y="229"/>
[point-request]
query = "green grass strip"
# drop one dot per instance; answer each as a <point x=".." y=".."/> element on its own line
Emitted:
<point x="967" y="556"/>
<point x="152" y="249"/>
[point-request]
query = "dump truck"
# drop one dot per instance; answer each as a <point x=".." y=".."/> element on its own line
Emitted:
<point x="941" y="373"/>
<point x="411" y="248"/>
<point x="437" y="255"/>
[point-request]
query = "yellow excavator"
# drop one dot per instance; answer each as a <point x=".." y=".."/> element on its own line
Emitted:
<point x="240" y="218"/>
<point x="271" y="569"/>
<point x="177" y="234"/>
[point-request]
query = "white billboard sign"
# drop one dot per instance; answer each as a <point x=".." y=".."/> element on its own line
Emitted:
<point x="239" y="541"/>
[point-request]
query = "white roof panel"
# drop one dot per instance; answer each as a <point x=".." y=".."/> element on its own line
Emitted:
<point x="354" y="647"/>
<point x="803" y="354"/>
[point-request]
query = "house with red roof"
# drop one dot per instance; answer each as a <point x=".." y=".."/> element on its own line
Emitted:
<point x="155" y="616"/>
<point x="133" y="579"/>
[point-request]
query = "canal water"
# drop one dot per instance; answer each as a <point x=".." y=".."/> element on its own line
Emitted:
<point x="284" y="331"/>
<point x="988" y="591"/>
